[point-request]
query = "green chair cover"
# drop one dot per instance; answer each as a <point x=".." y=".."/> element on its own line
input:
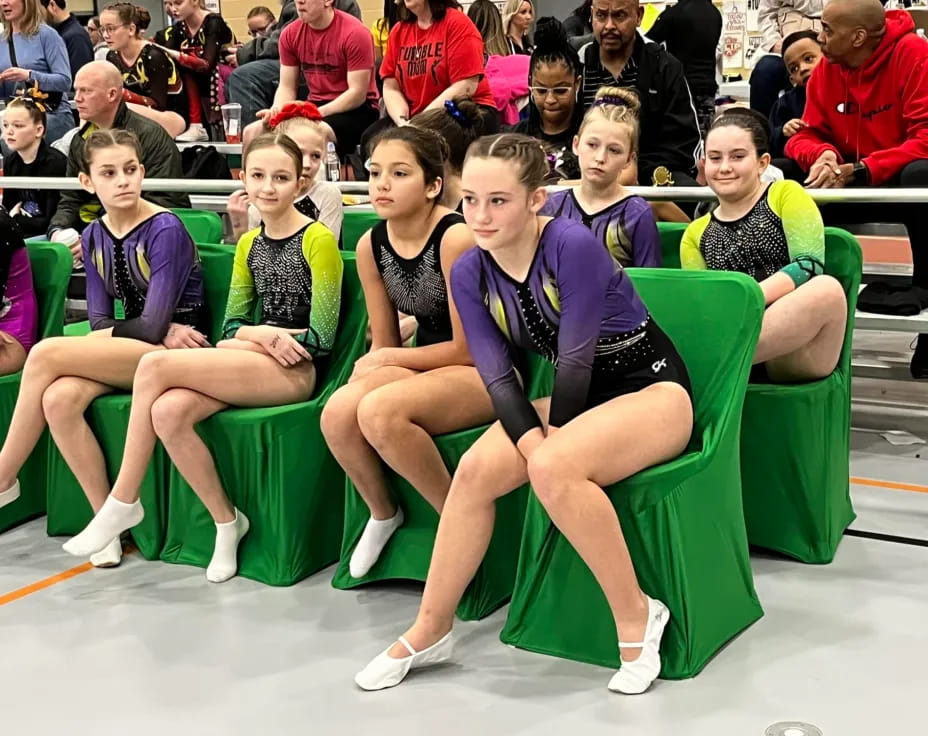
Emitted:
<point x="355" y="224"/>
<point x="671" y="233"/>
<point x="51" y="270"/>
<point x="795" y="443"/>
<point x="682" y="520"/>
<point x="409" y="551"/>
<point x="68" y="509"/>
<point x="276" y="468"/>
<point x="204" y="226"/>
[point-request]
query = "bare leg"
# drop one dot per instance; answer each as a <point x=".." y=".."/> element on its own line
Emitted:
<point x="803" y="332"/>
<point x="110" y="360"/>
<point x="600" y="447"/>
<point x="64" y="403"/>
<point x="347" y="443"/>
<point x="400" y="419"/>
<point x="172" y="122"/>
<point x="491" y="468"/>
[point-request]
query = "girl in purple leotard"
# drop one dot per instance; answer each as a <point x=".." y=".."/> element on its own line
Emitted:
<point x="18" y="308"/>
<point x="621" y="403"/>
<point x="141" y="254"/>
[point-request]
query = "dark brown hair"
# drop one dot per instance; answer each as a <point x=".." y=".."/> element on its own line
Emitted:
<point x="276" y="140"/>
<point x="438" y="8"/>
<point x="460" y="123"/>
<point x="428" y="147"/>
<point x="746" y="119"/>
<point x="525" y="152"/>
<point x="108" y="138"/>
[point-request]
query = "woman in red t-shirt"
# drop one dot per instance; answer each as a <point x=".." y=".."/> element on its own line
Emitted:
<point x="434" y="53"/>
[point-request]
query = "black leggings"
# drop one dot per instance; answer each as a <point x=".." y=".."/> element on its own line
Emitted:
<point x="349" y="126"/>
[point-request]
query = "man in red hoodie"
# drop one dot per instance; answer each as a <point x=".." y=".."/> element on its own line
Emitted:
<point x="866" y="119"/>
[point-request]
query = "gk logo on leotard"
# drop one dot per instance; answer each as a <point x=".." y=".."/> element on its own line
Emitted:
<point x="658" y="365"/>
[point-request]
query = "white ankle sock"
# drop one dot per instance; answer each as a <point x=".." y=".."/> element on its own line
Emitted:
<point x="224" y="563"/>
<point x="375" y="537"/>
<point x="109" y="556"/>
<point x="113" y="518"/>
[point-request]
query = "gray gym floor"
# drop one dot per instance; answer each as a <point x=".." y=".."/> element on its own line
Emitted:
<point x="151" y="648"/>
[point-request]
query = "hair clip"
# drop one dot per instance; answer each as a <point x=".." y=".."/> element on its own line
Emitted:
<point x="33" y="96"/>
<point x="454" y="111"/>
<point x="295" y="110"/>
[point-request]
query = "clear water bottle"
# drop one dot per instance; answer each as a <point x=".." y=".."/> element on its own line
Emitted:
<point x="332" y="167"/>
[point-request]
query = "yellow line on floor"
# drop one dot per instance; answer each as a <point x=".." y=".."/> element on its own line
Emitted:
<point x="889" y="484"/>
<point x="46" y="583"/>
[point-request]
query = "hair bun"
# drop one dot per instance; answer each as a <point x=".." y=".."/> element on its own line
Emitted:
<point x="549" y="34"/>
<point x="618" y="96"/>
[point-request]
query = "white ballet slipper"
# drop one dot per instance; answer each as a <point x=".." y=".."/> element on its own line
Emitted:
<point x="635" y="677"/>
<point x="385" y="671"/>
<point x="10" y="494"/>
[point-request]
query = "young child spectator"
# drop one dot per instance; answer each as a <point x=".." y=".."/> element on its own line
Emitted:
<point x="801" y="54"/>
<point x="23" y="132"/>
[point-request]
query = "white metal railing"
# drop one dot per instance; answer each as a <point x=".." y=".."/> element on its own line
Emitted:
<point x="657" y="194"/>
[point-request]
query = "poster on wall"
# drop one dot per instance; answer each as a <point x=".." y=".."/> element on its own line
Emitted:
<point x="753" y="16"/>
<point x="734" y="26"/>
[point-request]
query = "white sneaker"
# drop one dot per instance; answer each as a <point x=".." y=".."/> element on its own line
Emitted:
<point x="385" y="671"/>
<point x="196" y="132"/>
<point x="635" y="677"/>
<point x="10" y="494"/>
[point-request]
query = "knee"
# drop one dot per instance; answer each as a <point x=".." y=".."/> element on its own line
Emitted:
<point x="768" y="70"/>
<point x="61" y="403"/>
<point x="549" y="472"/>
<point x="171" y="416"/>
<point x="379" y="418"/>
<point x="339" y="415"/>
<point x="45" y="353"/>
<point x="915" y="174"/>
<point x="830" y="292"/>
<point x="149" y="368"/>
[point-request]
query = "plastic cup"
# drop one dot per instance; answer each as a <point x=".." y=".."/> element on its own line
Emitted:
<point x="232" y="122"/>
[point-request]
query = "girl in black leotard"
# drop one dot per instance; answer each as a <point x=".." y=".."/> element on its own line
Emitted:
<point x="195" y="43"/>
<point x="151" y="82"/>
<point x="398" y="397"/>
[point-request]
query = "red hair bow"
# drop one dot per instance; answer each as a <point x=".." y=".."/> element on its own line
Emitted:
<point x="295" y="110"/>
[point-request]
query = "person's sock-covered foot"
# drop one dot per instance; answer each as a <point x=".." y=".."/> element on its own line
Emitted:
<point x="109" y="556"/>
<point x="113" y="518"/>
<point x="224" y="563"/>
<point x="375" y="537"/>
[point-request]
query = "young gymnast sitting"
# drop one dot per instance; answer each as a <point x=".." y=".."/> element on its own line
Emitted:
<point x="621" y="403"/>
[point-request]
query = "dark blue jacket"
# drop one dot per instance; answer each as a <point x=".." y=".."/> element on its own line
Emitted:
<point x="790" y="105"/>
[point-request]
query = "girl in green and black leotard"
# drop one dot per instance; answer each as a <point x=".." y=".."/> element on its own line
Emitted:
<point x="291" y="268"/>
<point x="775" y="234"/>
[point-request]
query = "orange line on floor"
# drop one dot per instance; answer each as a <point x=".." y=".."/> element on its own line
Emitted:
<point x="890" y="484"/>
<point x="46" y="583"/>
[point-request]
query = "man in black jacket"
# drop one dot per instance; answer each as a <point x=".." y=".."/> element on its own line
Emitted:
<point x="257" y="77"/>
<point x="98" y="95"/>
<point x="76" y="40"/>
<point x="619" y="56"/>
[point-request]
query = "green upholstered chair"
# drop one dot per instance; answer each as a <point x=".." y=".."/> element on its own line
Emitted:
<point x="795" y="443"/>
<point x="277" y="469"/>
<point x="204" y="226"/>
<point x="355" y="224"/>
<point x="51" y="271"/>
<point x="68" y="509"/>
<point x="682" y="520"/>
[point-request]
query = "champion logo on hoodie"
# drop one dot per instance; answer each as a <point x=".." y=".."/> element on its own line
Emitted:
<point x="877" y="113"/>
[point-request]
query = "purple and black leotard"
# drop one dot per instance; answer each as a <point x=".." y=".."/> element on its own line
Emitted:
<point x="19" y="311"/>
<point x="578" y="309"/>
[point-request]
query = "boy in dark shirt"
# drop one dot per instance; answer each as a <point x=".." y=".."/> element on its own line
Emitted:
<point x="690" y="30"/>
<point x="801" y="54"/>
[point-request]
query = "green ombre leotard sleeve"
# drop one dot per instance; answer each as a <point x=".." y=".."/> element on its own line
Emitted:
<point x="804" y="229"/>
<point x="690" y="254"/>
<point x="325" y="264"/>
<point x="240" y="307"/>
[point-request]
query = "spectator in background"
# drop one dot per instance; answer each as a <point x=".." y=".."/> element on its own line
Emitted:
<point x="778" y="19"/>
<point x="485" y="16"/>
<point x="38" y="62"/>
<point x="380" y="29"/>
<point x="554" y="112"/>
<point x="620" y="57"/>
<point x="151" y="83"/>
<point x="254" y="82"/>
<point x="866" y="123"/>
<point x="517" y="22"/>
<point x="801" y="52"/>
<point x="195" y="44"/>
<point x="100" y="47"/>
<point x="579" y="22"/>
<point x="98" y="95"/>
<point x="261" y="22"/>
<point x="336" y="54"/>
<point x="435" y="54"/>
<point x="690" y="30"/>
<point x="76" y="40"/>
